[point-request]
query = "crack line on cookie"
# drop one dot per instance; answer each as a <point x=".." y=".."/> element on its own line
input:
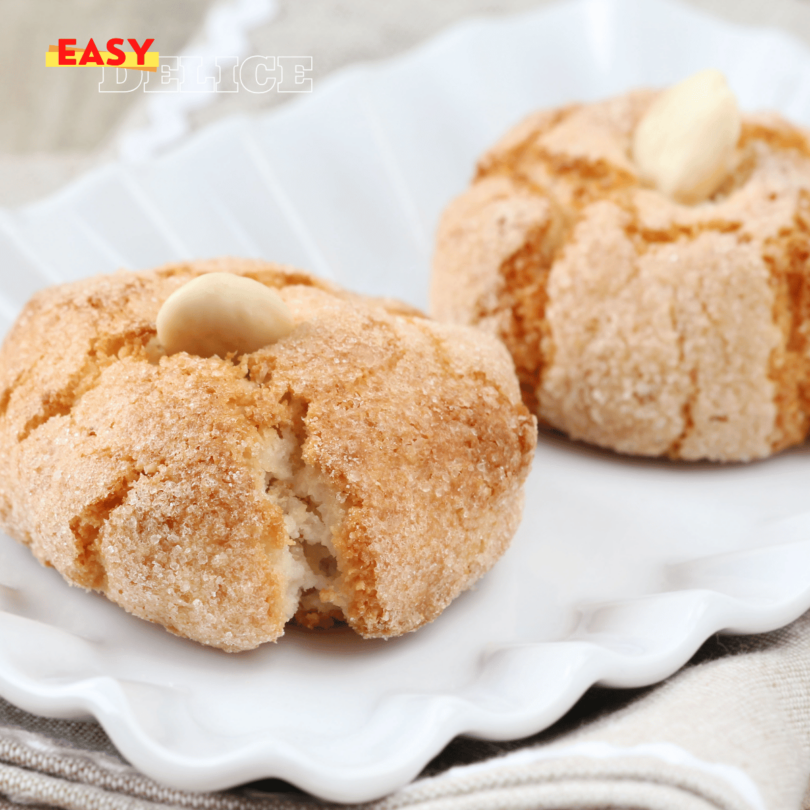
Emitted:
<point x="87" y="527"/>
<point x="787" y="259"/>
<point x="103" y="352"/>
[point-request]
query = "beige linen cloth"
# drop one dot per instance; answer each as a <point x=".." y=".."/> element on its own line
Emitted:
<point x="730" y="731"/>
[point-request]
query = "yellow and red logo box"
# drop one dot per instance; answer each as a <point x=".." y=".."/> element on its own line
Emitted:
<point x="139" y="58"/>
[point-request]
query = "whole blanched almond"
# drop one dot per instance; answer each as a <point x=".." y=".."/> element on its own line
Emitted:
<point x="222" y="313"/>
<point x="685" y="142"/>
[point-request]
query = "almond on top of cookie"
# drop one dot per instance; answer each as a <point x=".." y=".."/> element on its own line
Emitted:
<point x="645" y="261"/>
<point x="366" y="464"/>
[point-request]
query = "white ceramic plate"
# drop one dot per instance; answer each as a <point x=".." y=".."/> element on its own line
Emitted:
<point x="621" y="568"/>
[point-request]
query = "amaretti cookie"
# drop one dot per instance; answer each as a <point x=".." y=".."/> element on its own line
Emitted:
<point x="645" y="260"/>
<point x="367" y="465"/>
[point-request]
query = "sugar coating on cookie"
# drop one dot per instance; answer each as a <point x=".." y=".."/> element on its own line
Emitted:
<point x="366" y="467"/>
<point x="638" y="323"/>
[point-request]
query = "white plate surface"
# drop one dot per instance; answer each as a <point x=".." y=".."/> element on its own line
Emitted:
<point x="621" y="568"/>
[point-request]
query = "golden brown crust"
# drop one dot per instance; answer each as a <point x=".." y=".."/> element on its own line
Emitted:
<point x="637" y="323"/>
<point x="147" y="477"/>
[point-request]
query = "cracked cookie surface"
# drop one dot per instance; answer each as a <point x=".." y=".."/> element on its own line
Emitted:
<point x="368" y="467"/>
<point x="637" y="323"/>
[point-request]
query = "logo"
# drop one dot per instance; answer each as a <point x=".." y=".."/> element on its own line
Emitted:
<point x="65" y="54"/>
<point x="221" y="74"/>
<point x="182" y="74"/>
